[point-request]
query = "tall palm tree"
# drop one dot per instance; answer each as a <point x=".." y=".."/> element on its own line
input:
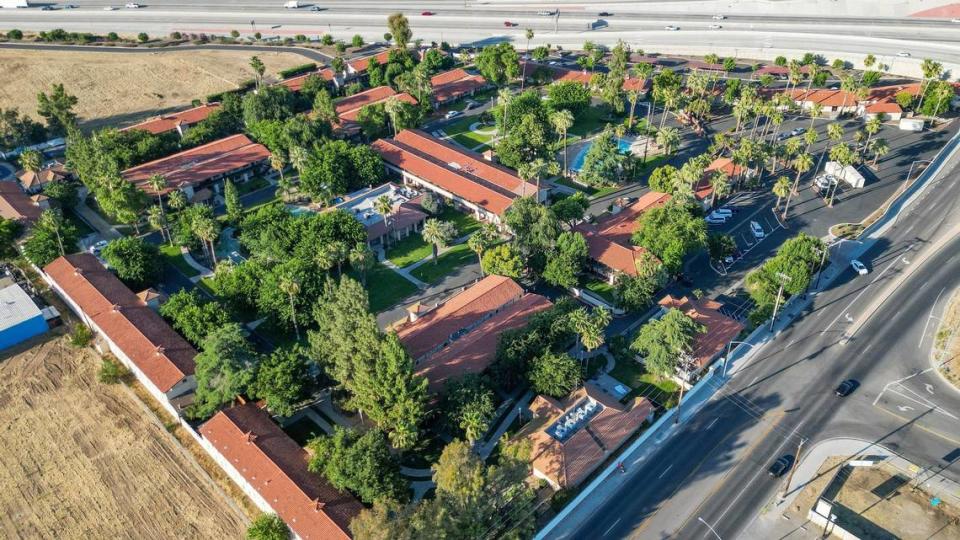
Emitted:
<point x="207" y="230"/>
<point x="325" y="258"/>
<point x="258" y="69"/>
<point x="879" y="147"/>
<point x="781" y="188"/>
<point x="668" y="138"/>
<point x="481" y="240"/>
<point x="931" y="70"/>
<point x="383" y="206"/>
<point x="156" y="220"/>
<point x="503" y="101"/>
<point x="872" y="127"/>
<point x="529" y="35"/>
<point x="835" y="132"/>
<point x="392" y="107"/>
<point x="562" y="121"/>
<point x="291" y="288"/>
<point x="810" y="137"/>
<point x="589" y="328"/>
<point x="177" y="200"/>
<point x="438" y="234"/>
<point x="298" y="158"/>
<point x="720" y="183"/>
<point x="362" y="260"/>
<point x="340" y="251"/>
<point x="158" y="183"/>
<point x="815" y="111"/>
<point x="277" y="162"/>
<point x="535" y="170"/>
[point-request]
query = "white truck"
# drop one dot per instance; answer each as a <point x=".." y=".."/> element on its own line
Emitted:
<point x="911" y="124"/>
<point x="14" y="4"/>
<point x="848" y="174"/>
<point x="292" y="4"/>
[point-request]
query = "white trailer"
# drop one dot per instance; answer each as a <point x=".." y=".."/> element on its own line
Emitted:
<point x="911" y="124"/>
<point x="292" y="4"/>
<point x="848" y="174"/>
<point x="14" y="4"/>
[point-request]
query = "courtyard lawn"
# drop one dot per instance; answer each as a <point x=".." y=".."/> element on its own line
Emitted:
<point x="643" y="383"/>
<point x="409" y="250"/>
<point x="460" y="132"/>
<point x="589" y="191"/>
<point x="602" y="289"/>
<point x="70" y="215"/>
<point x="172" y="256"/>
<point x="591" y="120"/>
<point x="459" y="255"/>
<point x="465" y="223"/>
<point x="386" y="288"/>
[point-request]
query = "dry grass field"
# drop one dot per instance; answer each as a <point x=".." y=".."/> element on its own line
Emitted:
<point x="119" y="88"/>
<point x="79" y="459"/>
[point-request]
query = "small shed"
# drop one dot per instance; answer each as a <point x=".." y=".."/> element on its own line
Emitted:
<point x="20" y="318"/>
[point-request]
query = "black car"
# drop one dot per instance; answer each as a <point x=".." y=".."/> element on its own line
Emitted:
<point x="604" y="14"/>
<point x="846" y="388"/>
<point x="780" y="466"/>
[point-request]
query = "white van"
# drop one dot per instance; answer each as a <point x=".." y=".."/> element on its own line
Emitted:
<point x="292" y="4"/>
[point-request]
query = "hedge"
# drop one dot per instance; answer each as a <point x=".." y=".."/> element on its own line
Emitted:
<point x="243" y="88"/>
<point x="297" y="70"/>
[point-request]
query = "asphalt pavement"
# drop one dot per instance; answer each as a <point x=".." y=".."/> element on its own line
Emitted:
<point x="714" y="469"/>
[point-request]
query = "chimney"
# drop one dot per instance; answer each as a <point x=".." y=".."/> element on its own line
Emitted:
<point x="160" y="350"/>
<point x="319" y="504"/>
<point x="78" y="271"/>
<point x="490" y="156"/>
<point x="116" y="308"/>
<point x="250" y="436"/>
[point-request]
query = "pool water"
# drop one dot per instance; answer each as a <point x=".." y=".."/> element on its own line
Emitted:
<point x="622" y="144"/>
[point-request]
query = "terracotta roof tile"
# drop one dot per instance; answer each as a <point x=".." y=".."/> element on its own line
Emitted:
<point x="295" y="84"/>
<point x="16" y="205"/>
<point x="461" y="312"/>
<point x="720" y="328"/>
<point x="276" y="467"/>
<point x="145" y="338"/>
<point x="361" y="64"/>
<point x="199" y="164"/>
<point x="474" y="352"/>
<point x="620" y="227"/>
<point x="168" y="122"/>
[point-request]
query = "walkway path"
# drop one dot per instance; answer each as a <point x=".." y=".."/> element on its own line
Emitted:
<point x="485" y="448"/>
<point x="405" y="272"/>
<point x="106" y="230"/>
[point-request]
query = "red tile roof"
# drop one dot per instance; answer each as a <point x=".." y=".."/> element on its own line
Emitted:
<point x="16" y="205"/>
<point x="569" y="462"/>
<point x="296" y="83"/>
<point x="461" y="172"/>
<point x="145" y="338"/>
<point x="452" y="84"/>
<point x="613" y="255"/>
<point x="30" y="179"/>
<point x="199" y="164"/>
<point x="168" y="122"/>
<point x="474" y="352"/>
<point x="349" y="107"/>
<point x="276" y="467"/>
<point x="609" y="239"/>
<point x="886" y="107"/>
<point x="826" y="98"/>
<point x="720" y="328"/>
<point x="404" y="215"/>
<point x="461" y="312"/>
<point x="619" y="227"/>
<point x="361" y="64"/>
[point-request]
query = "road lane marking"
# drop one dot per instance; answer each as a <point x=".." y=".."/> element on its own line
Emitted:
<point x="854" y="301"/>
<point x="612" y="526"/>
<point x="792" y="341"/>
<point x="913" y="422"/>
<point x="710" y="425"/>
<point x="924" y="402"/>
<point x="926" y="324"/>
<point x="665" y="471"/>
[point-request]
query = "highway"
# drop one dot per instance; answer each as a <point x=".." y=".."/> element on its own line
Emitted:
<point x="714" y="468"/>
<point x="472" y="23"/>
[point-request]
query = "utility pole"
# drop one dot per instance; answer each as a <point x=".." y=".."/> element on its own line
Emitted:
<point x="776" y="306"/>
<point x="796" y="463"/>
<point x="676" y="418"/>
<point x="823" y="260"/>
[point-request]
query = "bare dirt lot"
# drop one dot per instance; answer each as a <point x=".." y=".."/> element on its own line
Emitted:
<point x="119" y="88"/>
<point x="79" y="459"/>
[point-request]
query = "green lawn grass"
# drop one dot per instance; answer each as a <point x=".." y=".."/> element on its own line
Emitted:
<point x="590" y="120"/>
<point x="460" y="132"/>
<point x="644" y="383"/>
<point x="207" y="285"/>
<point x="255" y="183"/>
<point x="589" y="191"/>
<point x="386" y="287"/>
<point x="409" y="250"/>
<point x="172" y="256"/>
<point x="602" y="289"/>
<point x="465" y="223"/>
<point x="71" y="216"/>
<point x="456" y="257"/>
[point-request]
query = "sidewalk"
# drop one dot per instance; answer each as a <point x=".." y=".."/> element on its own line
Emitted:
<point x="106" y="230"/>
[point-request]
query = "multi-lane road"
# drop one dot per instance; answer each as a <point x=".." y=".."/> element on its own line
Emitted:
<point x="742" y="34"/>
<point x="876" y="329"/>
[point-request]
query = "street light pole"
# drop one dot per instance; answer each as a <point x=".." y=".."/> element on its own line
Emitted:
<point x="726" y="359"/>
<point x="776" y="306"/>
<point x="676" y="417"/>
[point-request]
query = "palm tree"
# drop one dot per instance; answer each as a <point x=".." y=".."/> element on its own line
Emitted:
<point x="277" y="162"/>
<point x="258" y="69"/>
<point x="383" y="206"/>
<point x="720" y="183"/>
<point x="156" y="220"/>
<point x="340" y="251"/>
<point x="812" y="71"/>
<point x="158" y="183"/>
<point x="781" y="188"/>
<point x="325" y="258"/>
<point x="931" y="70"/>
<point x="298" y="158"/>
<point x="392" y="107"/>
<point x="815" y="111"/>
<point x="879" y="147"/>
<point x="872" y="127"/>
<point x="207" y="230"/>
<point x="668" y="138"/>
<point x="503" y="101"/>
<point x="438" y="234"/>
<point x="284" y="187"/>
<point x="562" y="121"/>
<point x="362" y="260"/>
<point x="810" y="137"/>
<point x="534" y="170"/>
<point x="481" y="240"/>
<point x="589" y="327"/>
<point x="31" y="160"/>
<point x="177" y="200"/>
<point x="291" y="288"/>
<point x="529" y="34"/>
<point x="802" y="163"/>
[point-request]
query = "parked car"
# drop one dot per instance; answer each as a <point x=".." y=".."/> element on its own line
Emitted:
<point x="719" y="17"/>
<point x="132" y="5"/>
<point x="780" y="466"/>
<point x="671" y="28"/>
<point x="509" y="24"/>
<point x="757" y="230"/>
<point x="427" y="13"/>
<point x="825" y="181"/>
<point x="714" y="27"/>
<point x="604" y="14"/>
<point x="955" y="20"/>
<point x="859" y="267"/>
<point x="903" y="54"/>
<point x="846" y="388"/>
<point x="783" y="136"/>
<point x="715" y="219"/>
<point x="469" y="104"/>
<point x="98" y="247"/>
<point x="452" y="114"/>
<point x="798" y="131"/>
<point x="546" y="12"/>
<point x="724" y="211"/>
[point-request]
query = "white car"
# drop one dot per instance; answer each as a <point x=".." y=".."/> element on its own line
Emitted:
<point x="955" y="20"/>
<point x="452" y="114"/>
<point x="726" y="212"/>
<point x="671" y="28"/>
<point x="859" y="267"/>
<point x="110" y="8"/>
<point x="757" y="230"/>
<point x="98" y="247"/>
<point x="719" y="17"/>
<point x="714" y="219"/>
<point x="545" y="13"/>
<point x="903" y="54"/>
<point x="715" y="27"/>
<point x="132" y="5"/>
<point x="825" y="181"/>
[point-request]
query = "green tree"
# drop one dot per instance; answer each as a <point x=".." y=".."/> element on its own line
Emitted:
<point x="268" y="527"/>
<point x="663" y="342"/>
<point x="258" y="69"/>
<point x="273" y="102"/>
<point x="467" y="406"/>
<point x="603" y="164"/>
<point x="31" y="160"/>
<point x="499" y="63"/>
<point x="562" y="121"/>
<point x="571" y="209"/>
<point x="590" y="327"/>
<point x="781" y="189"/>
<point x="668" y="138"/>
<point x="134" y="261"/>
<point x="232" y="200"/>
<point x="636" y="292"/>
<point x="225" y="368"/>
<point x="9" y="232"/>
<point x="438" y="234"/>
<point x="56" y="108"/>
<point x="671" y="232"/>
<point x="194" y="317"/>
<point x="553" y="374"/>
<point x="50" y="237"/>
<point x="534" y="226"/>
<point x="399" y="29"/>
<point x="362" y="260"/>
<point x="346" y="335"/>
<point x="572" y="96"/>
<point x="503" y="260"/>
<point x="482" y="240"/>
<point x="361" y="463"/>
<point x="798" y="259"/>
<point x="565" y="264"/>
<point x="720" y="246"/>
<point x="663" y="179"/>
<point x="283" y="380"/>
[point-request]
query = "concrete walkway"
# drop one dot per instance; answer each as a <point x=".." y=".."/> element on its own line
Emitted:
<point x="405" y="272"/>
<point x="204" y="271"/>
<point x="484" y="449"/>
<point x="106" y="230"/>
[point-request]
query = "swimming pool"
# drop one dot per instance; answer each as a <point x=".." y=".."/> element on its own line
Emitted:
<point x="622" y="144"/>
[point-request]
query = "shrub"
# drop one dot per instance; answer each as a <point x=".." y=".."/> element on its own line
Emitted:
<point x="300" y="37"/>
<point x="234" y="34"/>
<point x="81" y="336"/>
<point x="15" y="34"/>
<point x="268" y="527"/>
<point x="111" y="372"/>
<point x="327" y="39"/>
<point x="297" y="70"/>
<point x="112" y="36"/>
<point x="142" y="37"/>
<point x="176" y="35"/>
<point x="357" y="40"/>
<point x="341" y="47"/>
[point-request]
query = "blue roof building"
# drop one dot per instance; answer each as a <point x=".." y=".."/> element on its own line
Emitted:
<point x="20" y="318"/>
